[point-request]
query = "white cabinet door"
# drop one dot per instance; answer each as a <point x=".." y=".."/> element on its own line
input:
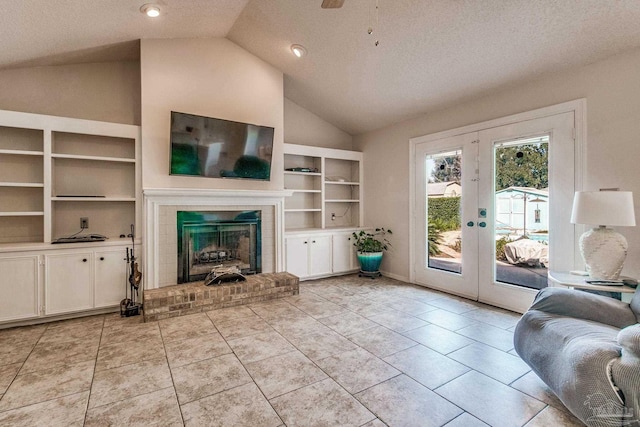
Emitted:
<point x="343" y="253"/>
<point x="110" y="278"/>
<point x="68" y="282"/>
<point x="319" y="255"/>
<point x="19" y="287"/>
<point x="297" y="248"/>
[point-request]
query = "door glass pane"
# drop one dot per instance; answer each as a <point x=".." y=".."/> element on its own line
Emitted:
<point x="444" y="196"/>
<point x="522" y="212"/>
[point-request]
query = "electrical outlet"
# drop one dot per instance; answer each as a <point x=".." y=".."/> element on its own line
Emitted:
<point x="333" y="217"/>
<point x="84" y="223"/>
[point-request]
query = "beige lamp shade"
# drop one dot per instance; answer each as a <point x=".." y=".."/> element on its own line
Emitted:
<point x="614" y="208"/>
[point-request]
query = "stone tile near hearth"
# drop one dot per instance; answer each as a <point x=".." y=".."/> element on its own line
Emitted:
<point x="88" y="322"/>
<point x="446" y="319"/>
<point x="125" y="382"/>
<point x="494" y="316"/>
<point x="347" y="323"/>
<point x="129" y="332"/>
<point x="357" y="369"/>
<point x="75" y="332"/>
<point x="409" y="306"/>
<point x="230" y="313"/>
<point x="275" y="309"/>
<point x="298" y="324"/>
<point x="261" y="346"/>
<point x="207" y="377"/>
<point x="439" y="339"/>
<point x="114" y="320"/>
<point x="159" y="408"/>
<point x="239" y="328"/>
<point x="532" y="385"/>
<point x="324" y="403"/>
<point x="381" y="341"/>
<point x="491" y="362"/>
<point x="315" y="306"/>
<point x="426" y="366"/>
<point x="454" y="305"/>
<point x="183" y="327"/>
<point x="16" y="353"/>
<point x="403" y="401"/>
<point x="128" y="352"/>
<point x="180" y="353"/>
<point x="374" y="423"/>
<point x="501" y="406"/>
<point x="321" y="344"/>
<point x="279" y="375"/>
<point x="7" y="374"/>
<point x="551" y="416"/>
<point x="24" y="336"/>
<point x="465" y="420"/>
<point x="56" y="354"/>
<point x="490" y="335"/>
<point x="397" y="321"/>
<point x="68" y="411"/>
<point x="243" y="406"/>
<point x="46" y="384"/>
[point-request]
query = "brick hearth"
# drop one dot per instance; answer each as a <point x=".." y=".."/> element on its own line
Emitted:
<point x="189" y="298"/>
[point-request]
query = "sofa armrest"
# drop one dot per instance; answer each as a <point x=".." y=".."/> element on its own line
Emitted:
<point x="583" y="305"/>
<point x="629" y="340"/>
<point x="625" y="372"/>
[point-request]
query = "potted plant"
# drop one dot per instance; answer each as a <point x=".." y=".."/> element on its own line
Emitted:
<point x="371" y="247"/>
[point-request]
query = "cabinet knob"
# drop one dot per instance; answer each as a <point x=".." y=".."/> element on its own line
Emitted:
<point x="101" y="258"/>
<point x="84" y="260"/>
<point x="305" y="242"/>
<point x="313" y="241"/>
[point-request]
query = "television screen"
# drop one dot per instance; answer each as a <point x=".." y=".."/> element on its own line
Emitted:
<point x="216" y="148"/>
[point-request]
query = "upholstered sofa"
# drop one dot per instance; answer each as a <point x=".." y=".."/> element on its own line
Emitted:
<point x="586" y="348"/>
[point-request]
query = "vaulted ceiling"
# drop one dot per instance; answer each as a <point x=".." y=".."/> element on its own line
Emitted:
<point x="431" y="53"/>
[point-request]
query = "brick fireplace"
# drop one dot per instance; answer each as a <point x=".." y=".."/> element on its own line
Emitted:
<point x="161" y="261"/>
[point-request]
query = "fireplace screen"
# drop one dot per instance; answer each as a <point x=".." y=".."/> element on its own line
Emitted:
<point x="210" y="239"/>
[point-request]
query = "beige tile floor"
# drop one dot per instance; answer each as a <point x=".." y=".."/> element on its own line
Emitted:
<point x="347" y="351"/>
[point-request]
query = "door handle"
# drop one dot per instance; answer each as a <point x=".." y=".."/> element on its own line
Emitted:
<point x="470" y="224"/>
<point x="482" y="224"/>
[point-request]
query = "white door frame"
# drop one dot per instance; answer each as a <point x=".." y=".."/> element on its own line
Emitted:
<point x="578" y="107"/>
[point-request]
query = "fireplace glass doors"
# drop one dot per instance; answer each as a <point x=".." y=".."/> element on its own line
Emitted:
<point x="210" y="239"/>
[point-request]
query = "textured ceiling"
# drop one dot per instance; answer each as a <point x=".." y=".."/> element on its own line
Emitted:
<point x="432" y="53"/>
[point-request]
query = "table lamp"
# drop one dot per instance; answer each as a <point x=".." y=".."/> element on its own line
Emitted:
<point x="603" y="249"/>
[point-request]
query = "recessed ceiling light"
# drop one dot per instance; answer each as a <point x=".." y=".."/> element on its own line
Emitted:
<point x="151" y="10"/>
<point x="298" y="50"/>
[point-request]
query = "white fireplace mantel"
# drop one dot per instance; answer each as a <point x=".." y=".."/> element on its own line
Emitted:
<point x="155" y="198"/>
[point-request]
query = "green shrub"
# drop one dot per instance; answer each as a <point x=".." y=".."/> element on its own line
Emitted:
<point x="444" y="212"/>
<point x="433" y="236"/>
<point x="500" y="244"/>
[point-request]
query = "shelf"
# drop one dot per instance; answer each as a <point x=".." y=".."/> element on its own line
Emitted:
<point x="21" y="213"/>
<point x="303" y="210"/>
<point x="302" y="173"/>
<point x="305" y="191"/>
<point x="341" y="183"/>
<point x="22" y="184"/>
<point x="94" y="158"/>
<point x="93" y="199"/>
<point x="22" y="152"/>
<point x="342" y="201"/>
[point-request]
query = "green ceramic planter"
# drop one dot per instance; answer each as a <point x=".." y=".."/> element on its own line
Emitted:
<point x="369" y="261"/>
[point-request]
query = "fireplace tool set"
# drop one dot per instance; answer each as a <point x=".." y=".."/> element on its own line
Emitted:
<point x="130" y="306"/>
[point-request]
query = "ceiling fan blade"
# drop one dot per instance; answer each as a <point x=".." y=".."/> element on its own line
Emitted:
<point x="332" y="4"/>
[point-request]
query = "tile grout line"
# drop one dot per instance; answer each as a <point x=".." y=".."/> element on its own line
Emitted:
<point x="93" y="375"/>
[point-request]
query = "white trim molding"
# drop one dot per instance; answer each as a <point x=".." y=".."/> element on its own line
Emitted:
<point x="155" y="198"/>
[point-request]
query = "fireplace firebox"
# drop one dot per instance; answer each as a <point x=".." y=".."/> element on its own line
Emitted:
<point x="210" y="239"/>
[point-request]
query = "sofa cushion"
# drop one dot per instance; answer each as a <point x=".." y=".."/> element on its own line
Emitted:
<point x="635" y="304"/>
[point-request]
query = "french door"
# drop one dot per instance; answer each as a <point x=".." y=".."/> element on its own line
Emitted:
<point x="492" y="210"/>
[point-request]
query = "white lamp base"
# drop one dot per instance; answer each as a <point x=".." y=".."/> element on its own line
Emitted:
<point x="604" y="251"/>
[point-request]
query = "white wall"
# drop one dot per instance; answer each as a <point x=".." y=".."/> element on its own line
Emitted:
<point x="105" y="91"/>
<point x="212" y="78"/>
<point x="612" y="90"/>
<point x="303" y="127"/>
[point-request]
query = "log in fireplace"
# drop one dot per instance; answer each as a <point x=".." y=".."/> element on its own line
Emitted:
<point x="218" y="238"/>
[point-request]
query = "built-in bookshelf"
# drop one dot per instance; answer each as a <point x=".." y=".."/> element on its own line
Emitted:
<point x="326" y="185"/>
<point x="57" y="170"/>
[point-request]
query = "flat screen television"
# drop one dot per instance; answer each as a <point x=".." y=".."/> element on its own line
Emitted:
<point x="216" y="148"/>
